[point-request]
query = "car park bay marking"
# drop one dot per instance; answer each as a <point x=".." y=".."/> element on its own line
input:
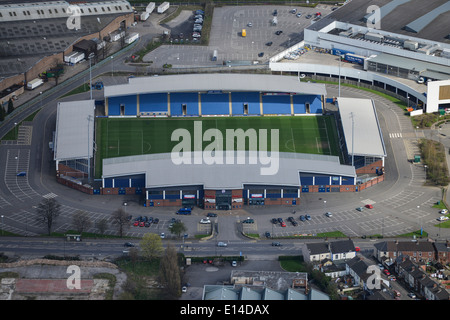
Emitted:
<point x="50" y="195"/>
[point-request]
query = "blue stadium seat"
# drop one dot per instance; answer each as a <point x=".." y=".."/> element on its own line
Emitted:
<point x="215" y="103"/>
<point x="155" y="102"/>
<point x="276" y="104"/>
<point x="300" y="101"/>
<point x="124" y="105"/>
<point x="241" y="99"/>
<point x="189" y="99"/>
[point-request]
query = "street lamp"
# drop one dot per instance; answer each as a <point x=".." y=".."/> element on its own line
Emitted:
<point x="89" y="150"/>
<point x="2" y="224"/>
<point x="91" y="55"/>
<point x="112" y="66"/>
<point x="340" y="59"/>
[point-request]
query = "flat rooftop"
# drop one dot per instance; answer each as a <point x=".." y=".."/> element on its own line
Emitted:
<point x="210" y="81"/>
<point x="396" y="16"/>
<point x="281" y="171"/>
<point x="74" y="137"/>
<point x="362" y="133"/>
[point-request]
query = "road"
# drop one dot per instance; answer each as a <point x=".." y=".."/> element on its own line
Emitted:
<point x="401" y="203"/>
<point x="103" y="248"/>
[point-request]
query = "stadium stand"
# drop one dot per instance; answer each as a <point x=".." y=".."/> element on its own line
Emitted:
<point x="185" y="103"/>
<point x="215" y="104"/>
<point x="153" y="104"/>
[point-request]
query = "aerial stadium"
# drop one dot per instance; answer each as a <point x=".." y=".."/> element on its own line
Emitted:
<point x="217" y="141"/>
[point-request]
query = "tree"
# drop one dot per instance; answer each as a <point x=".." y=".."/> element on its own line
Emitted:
<point x="170" y="273"/>
<point x="81" y="221"/>
<point x="151" y="246"/>
<point x="10" y="106"/>
<point x="101" y="225"/>
<point x="178" y="228"/>
<point x="48" y="210"/>
<point x="120" y="219"/>
<point x="2" y="113"/>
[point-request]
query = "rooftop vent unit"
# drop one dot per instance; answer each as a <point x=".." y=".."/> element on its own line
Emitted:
<point x="411" y="45"/>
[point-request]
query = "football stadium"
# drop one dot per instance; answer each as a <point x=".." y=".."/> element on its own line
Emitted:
<point x="217" y="141"/>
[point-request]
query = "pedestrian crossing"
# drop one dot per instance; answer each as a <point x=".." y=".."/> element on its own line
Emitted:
<point x="395" y="135"/>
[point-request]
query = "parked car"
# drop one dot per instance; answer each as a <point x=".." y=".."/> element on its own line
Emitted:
<point x="386" y="272"/>
<point x="283" y="224"/>
<point x="302" y="218"/>
<point x="443" y="218"/>
<point x="308" y="217"/>
<point x="293" y="10"/>
<point x="294" y="223"/>
<point x="141" y="224"/>
<point x="278" y="32"/>
<point x="162" y="235"/>
<point x="204" y="221"/>
<point x="369" y="206"/>
<point x="269" y="43"/>
<point x="234" y="263"/>
<point x="267" y="234"/>
<point x="210" y="214"/>
<point x="412" y="295"/>
<point x="261" y="54"/>
<point x="280" y="220"/>
<point x="155" y="220"/>
<point x="274" y="220"/>
<point x="443" y="211"/>
<point x="275" y="12"/>
<point x="329" y="214"/>
<point x="360" y="208"/>
<point x="308" y="16"/>
<point x="136" y="223"/>
<point x="250" y="24"/>
<point x="299" y="15"/>
<point x="248" y="220"/>
<point x="184" y="289"/>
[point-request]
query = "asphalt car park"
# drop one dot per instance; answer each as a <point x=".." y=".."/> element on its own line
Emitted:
<point x="259" y="43"/>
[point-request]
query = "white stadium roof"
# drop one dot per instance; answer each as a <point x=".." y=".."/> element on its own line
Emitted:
<point x="368" y="139"/>
<point x="73" y="130"/>
<point x="226" y="82"/>
<point x="161" y="171"/>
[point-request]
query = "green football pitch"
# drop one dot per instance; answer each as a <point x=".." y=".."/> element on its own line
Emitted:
<point x="118" y="137"/>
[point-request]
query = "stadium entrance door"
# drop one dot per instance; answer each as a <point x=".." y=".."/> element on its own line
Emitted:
<point x="223" y="200"/>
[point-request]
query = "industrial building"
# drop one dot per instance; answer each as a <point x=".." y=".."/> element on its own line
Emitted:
<point x="36" y="36"/>
<point x="389" y="40"/>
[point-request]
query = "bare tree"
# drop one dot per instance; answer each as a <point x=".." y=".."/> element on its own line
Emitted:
<point x="101" y="225"/>
<point x="120" y="219"/>
<point x="81" y="221"/>
<point x="170" y="273"/>
<point x="48" y="210"/>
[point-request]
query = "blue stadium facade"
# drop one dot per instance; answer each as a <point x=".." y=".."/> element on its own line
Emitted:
<point x="214" y="103"/>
